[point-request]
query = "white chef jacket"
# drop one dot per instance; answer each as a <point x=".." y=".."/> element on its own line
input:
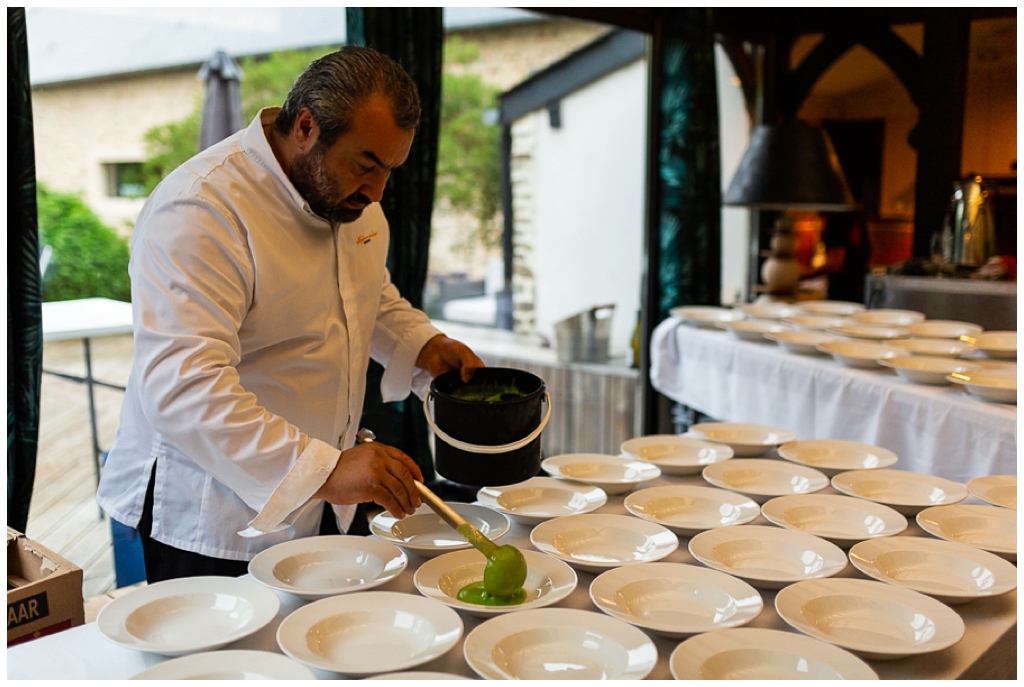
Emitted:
<point x="254" y="323"/>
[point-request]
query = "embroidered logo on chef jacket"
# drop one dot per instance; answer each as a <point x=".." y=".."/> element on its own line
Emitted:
<point x="365" y="238"/>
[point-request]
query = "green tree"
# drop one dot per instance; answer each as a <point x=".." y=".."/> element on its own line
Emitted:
<point x="89" y="259"/>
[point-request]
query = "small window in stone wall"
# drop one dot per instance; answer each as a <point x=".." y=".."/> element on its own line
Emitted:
<point x="125" y="180"/>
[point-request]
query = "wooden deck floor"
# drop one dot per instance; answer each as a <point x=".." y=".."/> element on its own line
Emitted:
<point x="63" y="515"/>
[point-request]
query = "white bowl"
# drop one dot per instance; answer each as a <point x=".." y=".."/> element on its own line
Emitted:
<point x="869" y="332"/>
<point x="998" y="490"/>
<point x="767" y="557"/>
<point x="187" y="615"/>
<point x="842" y="520"/>
<point x="744" y="439"/>
<point x="752" y="330"/>
<point x="989" y="528"/>
<point x="594" y="543"/>
<point x="816" y="323"/>
<point x="559" y="644"/>
<point x="905" y="492"/>
<point x="998" y="386"/>
<point x="614" y="474"/>
<point x="769" y="311"/>
<point x="863" y="354"/>
<point x="426" y="534"/>
<point x="831" y="308"/>
<point x="415" y="675"/>
<point x="752" y="653"/>
<point x="542" y="498"/>
<point x="369" y="633"/>
<point x="804" y="342"/>
<point x="687" y="510"/>
<point x="706" y="316"/>
<point x="944" y="329"/>
<point x="314" y="567"/>
<point x="762" y="479"/>
<point x="548" y="581"/>
<point x="228" y="665"/>
<point x="872" y="619"/>
<point x="888" y="318"/>
<point x="995" y="344"/>
<point x="950" y="572"/>
<point x="922" y="369"/>
<point x="677" y="455"/>
<point x="832" y="456"/>
<point x="936" y="348"/>
<point x="675" y="600"/>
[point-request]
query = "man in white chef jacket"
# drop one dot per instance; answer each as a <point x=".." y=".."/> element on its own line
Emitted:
<point x="260" y="292"/>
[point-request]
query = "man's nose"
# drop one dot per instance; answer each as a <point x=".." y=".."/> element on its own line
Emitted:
<point x="374" y="189"/>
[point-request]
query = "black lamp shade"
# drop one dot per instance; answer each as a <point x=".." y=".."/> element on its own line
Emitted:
<point x="790" y="167"/>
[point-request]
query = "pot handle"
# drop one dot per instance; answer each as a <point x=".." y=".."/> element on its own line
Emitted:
<point x="473" y="448"/>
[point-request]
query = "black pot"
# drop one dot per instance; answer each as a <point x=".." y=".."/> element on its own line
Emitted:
<point x="488" y="424"/>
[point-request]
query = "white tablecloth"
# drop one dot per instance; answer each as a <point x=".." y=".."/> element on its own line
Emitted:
<point x="82" y="653"/>
<point x="938" y="430"/>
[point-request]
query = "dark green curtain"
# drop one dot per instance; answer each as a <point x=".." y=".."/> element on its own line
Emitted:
<point x="24" y="285"/>
<point x="689" y="175"/>
<point x="414" y="38"/>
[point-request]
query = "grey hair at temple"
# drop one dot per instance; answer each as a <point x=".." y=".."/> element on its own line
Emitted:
<point x="333" y="87"/>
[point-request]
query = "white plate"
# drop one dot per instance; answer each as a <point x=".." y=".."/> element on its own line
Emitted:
<point x="767" y="557"/>
<point x="189" y="614"/>
<point x="369" y="633"/>
<point x="842" y="520"/>
<point x="865" y="354"/>
<point x="542" y="498"/>
<point x="744" y="439"/>
<point x="314" y="567"/>
<point x="872" y="619"/>
<point x="559" y="644"/>
<point x="906" y="492"/>
<point x="804" y="342"/>
<point x="952" y="573"/>
<point x="944" y="329"/>
<point x="923" y="369"/>
<point x="426" y="534"/>
<point x="762" y="478"/>
<point x="999" y="386"/>
<point x="614" y="474"/>
<point x="832" y="456"/>
<point x="228" y="665"/>
<point x="999" y="490"/>
<point x="705" y="315"/>
<point x="548" y="581"/>
<point x="594" y="543"/>
<point x="769" y="311"/>
<point x="687" y="510"/>
<point x="752" y="330"/>
<point x="752" y="653"/>
<point x="817" y="323"/>
<point x="995" y="344"/>
<point x="418" y="675"/>
<point x="888" y="318"/>
<point x="675" y="600"/>
<point x="869" y="332"/>
<point x="832" y="308"/>
<point x="989" y="528"/>
<point x="937" y="348"/>
<point x="677" y="455"/>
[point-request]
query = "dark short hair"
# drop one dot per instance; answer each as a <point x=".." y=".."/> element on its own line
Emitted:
<point x="333" y="87"/>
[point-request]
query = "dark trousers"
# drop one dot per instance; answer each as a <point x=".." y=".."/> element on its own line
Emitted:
<point x="165" y="562"/>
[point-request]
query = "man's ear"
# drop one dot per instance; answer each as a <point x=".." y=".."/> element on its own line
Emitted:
<point x="305" y="131"/>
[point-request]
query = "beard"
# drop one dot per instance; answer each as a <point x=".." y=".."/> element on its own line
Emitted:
<point x="318" y="186"/>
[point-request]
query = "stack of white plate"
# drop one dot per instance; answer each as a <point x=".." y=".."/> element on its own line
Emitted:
<point x="988" y="528"/>
<point x="745" y="440"/>
<point x="863" y="354"/>
<point x="831" y="308"/>
<point x="804" y="342"/>
<point x="870" y="332"/>
<point x="706" y="316"/>
<point x="614" y="474"/>
<point x="753" y="330"/>
<point x="676" y="455"/>
<point x="943" y="329"/>
<point x="770" y="311"/>
<point x="688" y="510"/>
<point x="842" y="520"/>
<point x="542" y="498"/>
<point x="762" y="478"/>
<point x="923" y="369"/>
<point x="816" y="323"/>
<point x="906" y="492"/>
<point x="888" y="318"/>
<point x="995" y="344"/>
<point x="998" y="386"/>
<point x="936" y="348"/>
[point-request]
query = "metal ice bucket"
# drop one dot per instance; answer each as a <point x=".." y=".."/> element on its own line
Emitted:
<point x="584" y="337"/>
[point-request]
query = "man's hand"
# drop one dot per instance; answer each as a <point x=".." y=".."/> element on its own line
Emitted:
<point x="374" y="472"/>
<point x="441" y="354"/>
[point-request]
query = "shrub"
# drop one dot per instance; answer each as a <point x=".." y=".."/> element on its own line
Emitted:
<point x="89" y="259"/>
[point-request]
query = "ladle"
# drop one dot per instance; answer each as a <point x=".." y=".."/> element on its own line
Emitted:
<point x="505" y="571"/>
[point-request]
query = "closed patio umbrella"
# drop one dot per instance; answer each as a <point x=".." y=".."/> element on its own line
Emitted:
<point x="222" y="102"/>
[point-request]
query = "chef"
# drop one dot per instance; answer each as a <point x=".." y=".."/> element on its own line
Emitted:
<point x="260" y="293"/>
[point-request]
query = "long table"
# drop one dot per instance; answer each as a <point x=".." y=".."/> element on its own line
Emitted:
<point x="938" y="430"/>
<point x="987" y="650"/>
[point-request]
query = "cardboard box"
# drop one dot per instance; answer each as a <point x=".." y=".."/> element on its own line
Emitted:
<point x="44" y="591"/>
